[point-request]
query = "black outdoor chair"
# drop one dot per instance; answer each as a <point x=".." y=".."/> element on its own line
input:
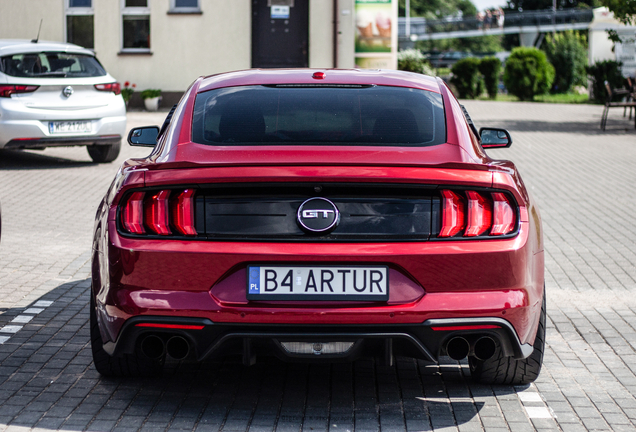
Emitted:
<point x="612" y="93"/>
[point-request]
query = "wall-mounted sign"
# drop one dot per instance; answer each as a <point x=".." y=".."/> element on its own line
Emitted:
<point x="376" y="34"/>
<point x="280" y="12"/>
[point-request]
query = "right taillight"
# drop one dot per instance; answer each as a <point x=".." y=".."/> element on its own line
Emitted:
<point x="160" y="212"/>
<point x="474" y="214"/>
<point x="8" y="90"/>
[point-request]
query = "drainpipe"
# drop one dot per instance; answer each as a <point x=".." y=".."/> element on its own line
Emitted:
<point x="335" y="33"/>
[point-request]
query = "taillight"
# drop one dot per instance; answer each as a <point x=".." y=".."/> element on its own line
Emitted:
<point x="133" y="213"/>
<point x="8" y="90"/>
<point x="109" y="87"/>
<point x="157" y="212"/>
<point x="183" y="213"/>
<point x="503" y="220"/>
<point x="453" y="214"/>
<point x="478" y="214"/>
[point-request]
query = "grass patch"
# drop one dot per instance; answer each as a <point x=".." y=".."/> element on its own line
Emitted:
<point x="567" y="98"/>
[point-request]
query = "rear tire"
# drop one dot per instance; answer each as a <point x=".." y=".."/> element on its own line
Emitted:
<point x="500" y="369"/>
<point x="104" y="153"/>
<point x="122" y="365"/>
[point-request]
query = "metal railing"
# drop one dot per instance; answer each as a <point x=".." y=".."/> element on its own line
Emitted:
<point x="420" y="26"/>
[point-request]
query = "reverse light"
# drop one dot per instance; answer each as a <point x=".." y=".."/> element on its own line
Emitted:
<point x="479" y="214"/>
<point x="156" y="213"/>
<point x="132" y="214"/>
<point x="453" y="214"/>
<point x="109" y="87"/>
<point x="503" y="220"/>
<point x="8" y="90"/>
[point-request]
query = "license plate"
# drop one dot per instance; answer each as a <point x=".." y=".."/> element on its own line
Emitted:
<point x="60" y="127"/>
<point x="360" y="283"/>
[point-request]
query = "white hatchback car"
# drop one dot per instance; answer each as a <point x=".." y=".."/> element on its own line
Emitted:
<point x="58" y="94"/>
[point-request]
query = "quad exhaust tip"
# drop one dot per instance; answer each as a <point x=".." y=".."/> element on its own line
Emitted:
<point x="457" y="348"/>
<point x="153" y="347"/>
<point x="483" y="349"/>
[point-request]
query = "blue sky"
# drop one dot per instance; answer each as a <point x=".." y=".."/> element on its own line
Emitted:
<point x="487" y="4"/>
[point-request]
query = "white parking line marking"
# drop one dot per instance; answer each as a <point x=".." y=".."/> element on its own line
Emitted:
<point x="43" y="303"/>
<point x="538" y="412"/>
<point x="3" y="339"/>
<point x="10" y="329"/>
<point x="530" y="397"/>
<point x="23" y="319"/>
<point x="33" y="311"/>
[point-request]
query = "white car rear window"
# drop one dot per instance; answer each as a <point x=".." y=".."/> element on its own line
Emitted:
<point x="51" y="65"/>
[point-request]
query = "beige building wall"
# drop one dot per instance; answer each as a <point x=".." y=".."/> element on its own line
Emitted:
<point x="20" y="19"/>
<point x="183" y="46"/>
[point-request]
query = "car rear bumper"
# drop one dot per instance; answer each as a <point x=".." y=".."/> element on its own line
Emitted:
<point x="200" y="339"/>
<point x="40" y="143"/>
<point x="18" y="123"/>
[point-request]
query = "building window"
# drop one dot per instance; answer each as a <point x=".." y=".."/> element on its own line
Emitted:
<point x="135" y="26"/>
<point x="184" y="6"/>
<point x="79" y="23"/>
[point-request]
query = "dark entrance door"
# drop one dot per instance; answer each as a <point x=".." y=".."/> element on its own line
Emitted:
<point x="280" y="33"/>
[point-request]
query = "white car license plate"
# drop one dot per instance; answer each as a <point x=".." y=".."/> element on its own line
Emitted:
<point x="359" y="283"/>
<point x="61" y="127"/>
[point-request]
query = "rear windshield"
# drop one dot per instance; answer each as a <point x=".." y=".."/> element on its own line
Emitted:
<point x="52" y="65"/>
<point x="337" y="115"/>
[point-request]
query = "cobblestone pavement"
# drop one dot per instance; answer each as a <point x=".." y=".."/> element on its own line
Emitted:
<point x="583" y="180"/>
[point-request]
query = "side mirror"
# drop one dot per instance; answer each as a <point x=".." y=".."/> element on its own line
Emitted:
<point x="495" y="138"/>
<point x="143" y="136"/>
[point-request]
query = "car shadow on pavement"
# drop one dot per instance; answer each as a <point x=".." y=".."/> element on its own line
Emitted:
<point x="21" y="160"/>
<point x="48" y="381"/>
<point x="614" y="126"/>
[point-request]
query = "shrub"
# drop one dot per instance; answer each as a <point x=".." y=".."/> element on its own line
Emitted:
<point x="412" y="60"/>
<point x="601" y="71"/>
<point x="568" y="54"/>
<point x="467" y="79"/>
<point x="490" y="68"/>
<point x="528" y="73"/>
<point x="150" y="93"/>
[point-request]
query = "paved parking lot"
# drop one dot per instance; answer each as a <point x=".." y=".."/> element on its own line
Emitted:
<point x="584" y="181"/>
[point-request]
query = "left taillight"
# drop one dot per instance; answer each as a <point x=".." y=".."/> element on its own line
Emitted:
<point x="8" y="90"/>
<point x="475" y="214"/>
<point x="165" y="212"/>
<point x="109" y="87"/>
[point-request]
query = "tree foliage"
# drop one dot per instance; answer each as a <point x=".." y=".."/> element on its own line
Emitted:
<point x="601" y="71"/>
<point x="528" y="73"/>
<point x="413" y="60"/>
<point x="568" y="54"/>
<point x="433" y="9"/>
<point x="624" y="11"/>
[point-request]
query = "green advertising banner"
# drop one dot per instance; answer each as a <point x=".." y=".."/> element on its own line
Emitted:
<point x="374" y="20"/>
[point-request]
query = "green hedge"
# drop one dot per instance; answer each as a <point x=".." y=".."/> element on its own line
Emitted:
<point x="467" y="79"/>
<point x="528" y="73"/>
<point x="490" y="68"/>
<point x="568" y="54"/>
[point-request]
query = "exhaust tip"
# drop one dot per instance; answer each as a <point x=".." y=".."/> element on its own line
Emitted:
<point x="178" y="348"/>
<point x="457" y="348"/>
<point x="152" y="347"/>
<point x="485" y="348"/>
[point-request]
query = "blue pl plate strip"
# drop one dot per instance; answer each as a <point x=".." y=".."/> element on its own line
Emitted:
<point x="255" y="280"/>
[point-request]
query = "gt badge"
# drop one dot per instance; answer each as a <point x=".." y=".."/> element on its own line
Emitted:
<point x="318" y="215"/>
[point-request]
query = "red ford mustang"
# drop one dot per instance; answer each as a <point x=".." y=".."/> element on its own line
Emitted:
<point x="319" y="215"/>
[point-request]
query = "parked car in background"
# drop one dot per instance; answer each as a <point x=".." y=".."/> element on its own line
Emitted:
<point x="318" y="216"/>
<point x="58" y="94"/>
